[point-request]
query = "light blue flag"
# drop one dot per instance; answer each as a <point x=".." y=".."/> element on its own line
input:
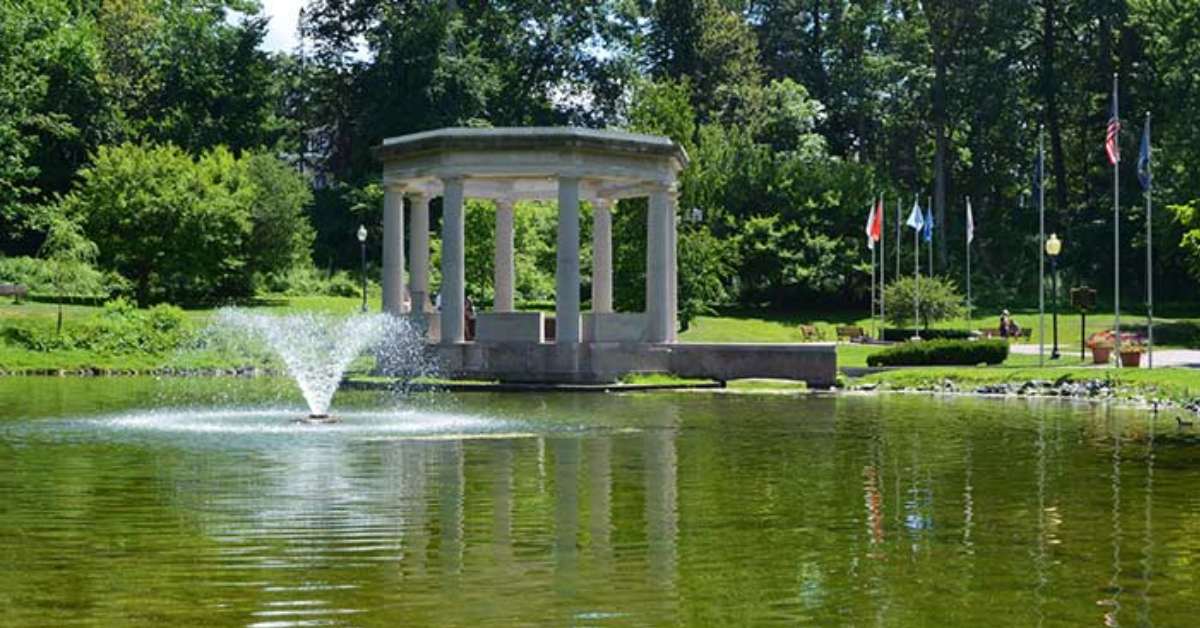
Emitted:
<point x="928" y="225"/>
<point x="915" y="219"/>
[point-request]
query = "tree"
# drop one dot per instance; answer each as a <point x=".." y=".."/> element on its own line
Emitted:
<point x="937" y="297"/>
<point x="69" y="255"/>
<point x="190" y="230"/>
<point x="281" y="237"/>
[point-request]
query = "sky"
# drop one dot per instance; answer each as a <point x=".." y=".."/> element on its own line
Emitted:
<point x="281" y="34"/>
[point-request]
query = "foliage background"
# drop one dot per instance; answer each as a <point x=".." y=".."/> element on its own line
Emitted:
<point x="255" y="167"/>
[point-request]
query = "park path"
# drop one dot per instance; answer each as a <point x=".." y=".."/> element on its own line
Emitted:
<point x="1162" y="357"/>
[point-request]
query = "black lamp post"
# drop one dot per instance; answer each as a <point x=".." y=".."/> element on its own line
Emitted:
<point x="362" y="243"/>
<point x="1053" y="248"/>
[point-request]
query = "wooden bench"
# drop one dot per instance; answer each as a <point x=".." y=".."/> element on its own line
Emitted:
<point x="1024" y="332"/>
<point x="810" y="332"/>
<point x="850" y="332"/>
<point x="14" y="290"/>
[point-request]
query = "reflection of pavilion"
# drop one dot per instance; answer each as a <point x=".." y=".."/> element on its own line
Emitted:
<point x="446" y="514"/>
<point x="570" y="166"/>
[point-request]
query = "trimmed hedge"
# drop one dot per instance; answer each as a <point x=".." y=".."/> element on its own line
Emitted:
<point x="895" y="334"/>
<point x="942" y="353"/>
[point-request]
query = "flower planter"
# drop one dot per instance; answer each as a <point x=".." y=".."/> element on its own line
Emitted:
<point x="1100" y="355"/>
<point x="1131" y="358"/>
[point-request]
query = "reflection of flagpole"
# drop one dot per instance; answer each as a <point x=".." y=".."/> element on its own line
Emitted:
<point x="1114" y="584"/>
<point x="1148" y="533"/>
<point x="1040" y="558"/>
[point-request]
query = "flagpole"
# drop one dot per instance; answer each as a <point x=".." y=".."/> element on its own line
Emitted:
<point x="1041" y="166"/>
<point x="917" y="278"/>
<point x="1149" y="258"/>
<point x="1117" y="229"/>
<point x="871" y="243"/>
<point x="929" y="209"/>
<point x="970" y="219"/>
<point x="882" y="266"/>
<point x="899" y="219"/>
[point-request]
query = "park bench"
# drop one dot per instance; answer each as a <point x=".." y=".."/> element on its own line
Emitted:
<point x="810" y="333"/>
<point x="1024" y="332"/>
<point x="14" y="290"/>
<point x="850" y="332"/>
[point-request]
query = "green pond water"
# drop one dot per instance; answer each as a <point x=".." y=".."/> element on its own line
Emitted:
<point x="188" y="503"/>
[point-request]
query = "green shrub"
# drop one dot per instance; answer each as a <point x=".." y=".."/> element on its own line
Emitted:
<point x="895" y="334"/>
<point x="942" y="352"/>
<point x="939" y="300"/>
<point x="119" y="328"/>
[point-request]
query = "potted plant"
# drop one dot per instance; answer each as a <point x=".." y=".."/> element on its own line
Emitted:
<point x="1131" y="354"/>
<point x="1101" y="344"/>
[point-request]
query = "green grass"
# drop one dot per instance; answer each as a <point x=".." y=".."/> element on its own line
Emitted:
<point x="754" y="326"/>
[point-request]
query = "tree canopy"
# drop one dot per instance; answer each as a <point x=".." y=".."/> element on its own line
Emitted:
<point x="796" y="114"/>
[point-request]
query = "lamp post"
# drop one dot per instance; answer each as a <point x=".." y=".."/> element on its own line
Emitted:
<point x="1053" y="248"/>
<point x="362" y="243"/>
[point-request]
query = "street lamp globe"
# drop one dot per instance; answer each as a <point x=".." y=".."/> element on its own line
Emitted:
<point x="1053" y="245"/>
<point x="362" y="233"/>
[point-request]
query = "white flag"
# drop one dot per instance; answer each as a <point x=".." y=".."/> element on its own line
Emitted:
<point x="915" y="219"/>
<point x="970" y="223"/>
<point x="870" y="221"/>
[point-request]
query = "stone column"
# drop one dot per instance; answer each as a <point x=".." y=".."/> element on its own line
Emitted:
<point x="566" y="295"/>
<point x="393" y="250"/>
<point x="418" y="228"/>
<point x="502" y="261"/>
<point x="453" y="274"/>
<point x="602" y="256"/>
<point x="658" y="288"/>
<point x="672" y="318"/>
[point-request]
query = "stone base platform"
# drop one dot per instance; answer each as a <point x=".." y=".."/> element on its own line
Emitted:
<point x="592" y="363"/>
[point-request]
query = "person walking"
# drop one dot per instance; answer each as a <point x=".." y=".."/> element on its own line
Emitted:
<point x="1005" y="324"/>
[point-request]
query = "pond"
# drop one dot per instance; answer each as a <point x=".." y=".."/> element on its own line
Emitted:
<point x="131" y="501"/>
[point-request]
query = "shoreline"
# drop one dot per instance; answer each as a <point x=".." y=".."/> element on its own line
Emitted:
<point x="1094" y="391"/>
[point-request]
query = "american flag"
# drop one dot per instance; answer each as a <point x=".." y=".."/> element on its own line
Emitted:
<point x="1113" y="136"/>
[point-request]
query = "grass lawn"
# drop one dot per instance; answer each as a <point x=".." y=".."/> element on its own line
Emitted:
<point x="761" y="326"/>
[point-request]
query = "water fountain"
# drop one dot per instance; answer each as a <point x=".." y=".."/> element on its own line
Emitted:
<point x="316" y="349"/>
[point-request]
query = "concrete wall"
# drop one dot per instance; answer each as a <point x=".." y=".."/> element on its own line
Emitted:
<point x="614" y="327"/>
<point x="497" y="327"/>
<point x="815" y="364"/>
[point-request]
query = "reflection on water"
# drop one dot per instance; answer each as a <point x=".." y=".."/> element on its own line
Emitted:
<point x="598" y="510"/>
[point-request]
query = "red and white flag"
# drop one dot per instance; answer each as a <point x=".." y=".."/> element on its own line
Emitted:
<point x="874" y="228"/>
<point x="1112" y="137"/>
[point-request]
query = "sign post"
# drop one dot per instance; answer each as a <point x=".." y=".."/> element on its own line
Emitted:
<point x="1083" y="299"/>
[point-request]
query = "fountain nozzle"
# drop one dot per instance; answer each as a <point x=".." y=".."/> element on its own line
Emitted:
<point x="317" y="419"/>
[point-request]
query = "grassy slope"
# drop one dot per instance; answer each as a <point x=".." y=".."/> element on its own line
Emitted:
<point x="14" y="358"/>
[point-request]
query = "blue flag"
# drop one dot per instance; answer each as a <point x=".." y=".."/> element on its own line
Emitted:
<point x="1143" y="162"/>
<point x="928" y="233"/>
